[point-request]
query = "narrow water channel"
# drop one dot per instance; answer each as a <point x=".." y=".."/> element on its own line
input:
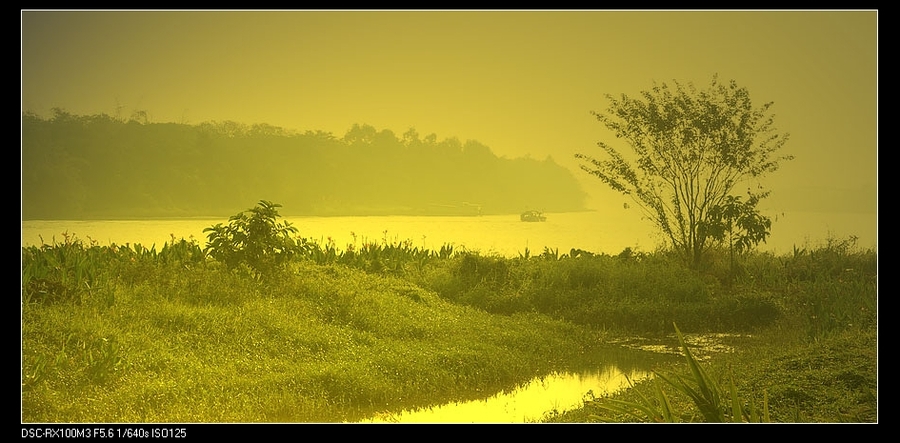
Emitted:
<point x="632" y="359"/>
<point x="528" y="403"/>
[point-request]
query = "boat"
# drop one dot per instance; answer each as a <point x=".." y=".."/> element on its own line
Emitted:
<point x="533" y="216"/>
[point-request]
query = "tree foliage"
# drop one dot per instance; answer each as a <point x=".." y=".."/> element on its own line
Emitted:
<point x="691" y="149"/>
<point x="738" y="224"/>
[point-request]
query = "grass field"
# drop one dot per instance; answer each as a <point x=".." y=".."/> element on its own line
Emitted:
<point x="130" y="334"/>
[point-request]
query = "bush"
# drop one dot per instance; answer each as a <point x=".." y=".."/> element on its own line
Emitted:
<point x="254" y="239"/>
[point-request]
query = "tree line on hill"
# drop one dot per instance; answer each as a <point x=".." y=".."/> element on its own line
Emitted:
<point x="98" y="166"/>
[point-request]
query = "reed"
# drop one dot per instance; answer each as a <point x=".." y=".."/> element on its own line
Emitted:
<point x="713" y="402"/>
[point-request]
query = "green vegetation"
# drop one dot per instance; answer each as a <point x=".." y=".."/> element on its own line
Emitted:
<point x="256" y="240"/>
<point x="163" y="340"/>
<point x="774" y="377"/>
<point x="816" y="363"/>
<point x="185" y="334"/>
<point x="707" y="396"/>
<point x="100" y="167"/>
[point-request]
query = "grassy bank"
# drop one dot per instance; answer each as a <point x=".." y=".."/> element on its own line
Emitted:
<point x="816" y="363"/>
<point x="834" y="380"/>
<point x="324" y="343"/>
<point x="131" y="334"/>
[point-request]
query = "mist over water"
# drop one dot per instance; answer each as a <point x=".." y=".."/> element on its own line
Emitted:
<point x="494" y="234"/>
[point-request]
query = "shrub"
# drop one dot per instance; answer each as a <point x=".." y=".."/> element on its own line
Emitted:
<point x="254" y="238"/>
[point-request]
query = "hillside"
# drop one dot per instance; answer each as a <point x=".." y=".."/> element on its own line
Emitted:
<point x="95" y="167"/>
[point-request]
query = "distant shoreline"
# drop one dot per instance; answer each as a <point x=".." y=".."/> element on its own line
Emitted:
<point x="286" y="214"/>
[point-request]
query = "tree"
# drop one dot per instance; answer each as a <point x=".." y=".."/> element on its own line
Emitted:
<point x="691" y="148"/>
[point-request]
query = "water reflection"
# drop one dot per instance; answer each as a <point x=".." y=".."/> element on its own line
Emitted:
<point x="555" y="392"/>
<point x="564" y="391"/>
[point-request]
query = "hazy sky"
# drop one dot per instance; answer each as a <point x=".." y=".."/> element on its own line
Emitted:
<point x="521" y="82"/>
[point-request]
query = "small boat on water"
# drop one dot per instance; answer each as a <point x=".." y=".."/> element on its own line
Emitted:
<point x="533" y="216"/>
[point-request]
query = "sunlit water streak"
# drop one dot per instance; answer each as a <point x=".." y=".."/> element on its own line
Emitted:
<point x="557" y="392"/>
<point x="501" y="234"/>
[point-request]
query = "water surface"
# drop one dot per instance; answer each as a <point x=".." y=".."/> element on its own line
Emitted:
<point x="495" y="234"/>
<point x="559" y="392"/>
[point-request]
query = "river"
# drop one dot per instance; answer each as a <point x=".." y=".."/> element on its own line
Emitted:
<point x="505" y="235"/>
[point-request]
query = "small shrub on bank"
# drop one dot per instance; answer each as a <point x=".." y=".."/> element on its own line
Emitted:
<point x="254" y="238"/>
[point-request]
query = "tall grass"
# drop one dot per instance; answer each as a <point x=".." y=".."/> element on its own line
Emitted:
<point x="75" y="270"/>
<point x="823" y="290"/>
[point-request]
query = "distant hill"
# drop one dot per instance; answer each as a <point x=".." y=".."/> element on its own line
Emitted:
<point x="96" y="167"/>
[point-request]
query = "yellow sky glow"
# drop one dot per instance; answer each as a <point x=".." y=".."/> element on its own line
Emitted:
<point x="521" y="82"/>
